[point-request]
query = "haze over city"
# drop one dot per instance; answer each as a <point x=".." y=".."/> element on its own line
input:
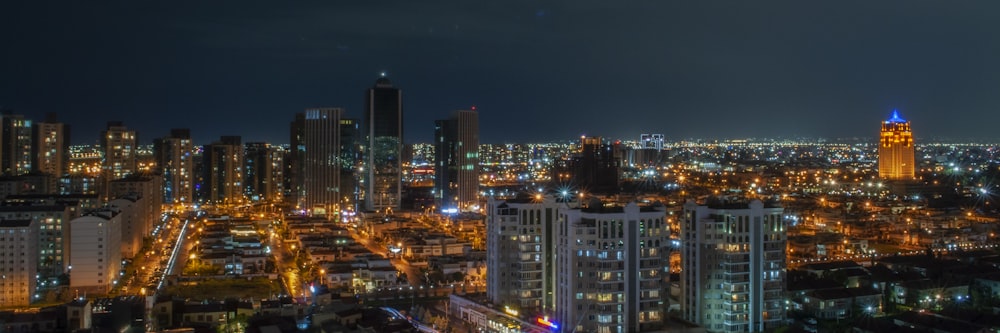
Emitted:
<point x="537" y="71"/>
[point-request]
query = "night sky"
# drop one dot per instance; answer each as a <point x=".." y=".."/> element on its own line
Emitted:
<point x="536" y="70"/>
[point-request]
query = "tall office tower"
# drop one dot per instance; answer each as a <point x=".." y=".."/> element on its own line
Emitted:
<point x="384" y="169"/>
<point x="50" y="147"/>
<point x="174" y="160"/>
<point x="222" y="171"/>
<point x="119" y="144"/>
<point x="351" y="163"/>
<point x="456" y="182"/>
<point x="263" y="172"/>
<point x="895" y="150"/>
<point x="20" y="251"/>
<point x="53" y="237"/>
<point x="733" y="257"/>
<point x="15" y="144"/>
<point x="327" y="142"/>
<point x="96" y="256"/>
<point x="293" y="161"/>
<point x="610" y="267"/>
<point x="520" y="270"/>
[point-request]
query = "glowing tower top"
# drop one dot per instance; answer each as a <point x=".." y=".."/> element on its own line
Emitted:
<point x="895" y="151"/>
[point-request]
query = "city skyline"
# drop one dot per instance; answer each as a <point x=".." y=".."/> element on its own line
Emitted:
<point x="683" y="69"/>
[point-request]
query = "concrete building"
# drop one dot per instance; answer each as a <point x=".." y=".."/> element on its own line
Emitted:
<point x="895" y="150"/>
<point x="222" y="171"/>
<point x="384" y="155"/>
<point x="521" y="266"/>
<point x="456" y="175"/>
<point x="326" y="156"/>
<point x="15" y="144"/>
<point x="175" y="162"/>
<point x="134" y="227"/>
<point x="50" y="147"/>
<point x="96" y="259"/>
<point x="53" y="234"/>
<point x="144" y="190"/>
<point x="264" y="172"/>
<point x="20" y="253"/>
<point x="733" y="258"/>
<point x="119" y="144"/>
<point x="610" y="268"/>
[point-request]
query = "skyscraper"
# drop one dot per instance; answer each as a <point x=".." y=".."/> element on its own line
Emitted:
<point x="593" y="169"/>
<point x="223" y="171"/>
<point x="384" y="123"/>
<point x="173" y="158"/>
<point x="50" y="146"/>
<point x="326" y="156"/>
<point x="15" y="144"/>
<point x="520" y="240"/>
<point x="733" y="257"/>
<point x="895" y="149"/>
<point x="456" y="182"/>
<point x="610" y="268"/>
<point x="263" y="172"/>
<point x="119" y="144"/>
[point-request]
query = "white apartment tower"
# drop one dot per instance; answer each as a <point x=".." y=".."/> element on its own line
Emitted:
<point x="18" y="261"/>
<point x="96" y="257"/>
<point x="733" y="257"/>
<point x="610" y="267"/>
<point x="520" y="267"/>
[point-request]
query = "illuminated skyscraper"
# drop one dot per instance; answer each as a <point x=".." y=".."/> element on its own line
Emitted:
<point x="264" y="172"/>
<point x="895" y="150"/>
<point x="384" y="122"/>
<point x="456" y="182"/>
<point x="15" y="144"/>
<point x="324" y="159"/>
<point x="176" y="163"/>
<point x="223" y="171"/>
<point x="733" y="257"/>
<point x="50" y="143"/>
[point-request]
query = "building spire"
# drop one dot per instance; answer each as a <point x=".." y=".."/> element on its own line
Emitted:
<point x="895" y="118"/>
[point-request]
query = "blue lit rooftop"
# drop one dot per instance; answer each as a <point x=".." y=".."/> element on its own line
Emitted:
<point x="895" y="118"/>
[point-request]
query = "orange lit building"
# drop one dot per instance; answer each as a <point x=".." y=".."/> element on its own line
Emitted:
<point x="895" y="151"/>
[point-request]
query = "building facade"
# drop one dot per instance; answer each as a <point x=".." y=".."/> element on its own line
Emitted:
<point x="384" y="167"/>
<point x="222" y="171"/>
<point x="264" y="178"/>
<point x="456" y="174"/>
<point x="96" y="258"/>
<point x="18" y="281"/>
<point x="15" y="144"/>
<point x="50" y="146"/>
<point x="174" y="159"/>
<point x="895" y="150"/>
<point x="611" y="262"/>
<point x="521" y="262"/>
<point x="53" y="234"/>
<point x="733" y="258"/>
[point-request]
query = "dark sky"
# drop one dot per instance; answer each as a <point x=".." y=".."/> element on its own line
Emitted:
<point x="536" y="70"/>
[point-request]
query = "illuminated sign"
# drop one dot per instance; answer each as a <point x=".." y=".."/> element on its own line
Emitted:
<point x="544" y="321"/>
<point x="510" y="311"/>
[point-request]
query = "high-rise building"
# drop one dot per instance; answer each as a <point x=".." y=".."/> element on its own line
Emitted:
<point x="325" y="159"/>
<point x="20" y="242"/>
<point x="119" y="144"/>
<point x="264" y="171"/>
<point x="384" y="169"/>
<point x="456" y="182"/>
<point x="895" y="149"/>
<point x="222" y="171"/>
<point x="610" y="268"/>
<point x="520" y="239"/>
<point x="15" y="144"/>
<point x="733" y="258"/>
<point x="50" y="146"/>
<point x="293" y="161"/>
<point x="53" y="237"/>
<point x="96" y="257"/>
<point x="175" y="161"/>
<point x="651" y="141"/>
<point x="142" y="192"/>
